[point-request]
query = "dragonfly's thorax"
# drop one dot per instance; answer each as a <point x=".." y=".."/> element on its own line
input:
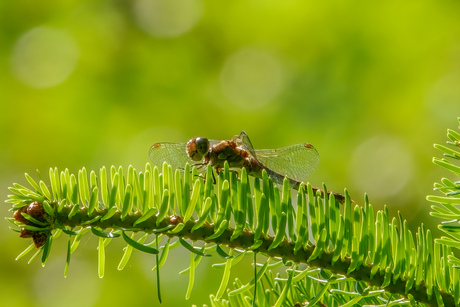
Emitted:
<point x="227" y="151"/>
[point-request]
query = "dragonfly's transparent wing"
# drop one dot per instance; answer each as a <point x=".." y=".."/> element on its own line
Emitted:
<point x="172" y="153"/>
<point x="296" y="161"/>
<point x="243" y="142"/>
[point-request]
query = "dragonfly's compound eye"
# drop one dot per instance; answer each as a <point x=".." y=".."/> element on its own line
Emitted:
<point x="197" y="148"/>
<point x="202" y="146"/>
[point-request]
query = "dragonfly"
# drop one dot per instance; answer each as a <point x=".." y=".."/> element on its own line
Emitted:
<point x="295" y="162"/>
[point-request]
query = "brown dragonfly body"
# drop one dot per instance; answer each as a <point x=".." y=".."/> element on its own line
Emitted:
<point x="294" y="162"/>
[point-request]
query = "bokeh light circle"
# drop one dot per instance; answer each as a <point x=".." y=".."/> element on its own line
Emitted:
<point x="251" y="78"/>
<point x="167" y="18"/>
<point x="444" y="96"/>
<point x="44" y="57"/>
<point x="381" y="166"/>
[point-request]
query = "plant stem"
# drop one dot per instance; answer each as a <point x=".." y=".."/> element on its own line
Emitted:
<point x="285" y="250"/>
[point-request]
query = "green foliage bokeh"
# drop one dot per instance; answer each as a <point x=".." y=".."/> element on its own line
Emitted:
<point x="92" y="83"/>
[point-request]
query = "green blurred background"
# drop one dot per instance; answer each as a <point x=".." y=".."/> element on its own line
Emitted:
<point x="91" y="83"/>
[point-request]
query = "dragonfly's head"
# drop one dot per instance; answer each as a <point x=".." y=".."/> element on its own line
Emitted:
<point x="197" y="148"/>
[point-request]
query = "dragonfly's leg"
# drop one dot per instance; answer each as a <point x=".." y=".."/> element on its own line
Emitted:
<point x="214" y="181"/>
<point x="218" y="170"/>
<point x="201" y="176"/>
<point x="201" y="165"/>
<point x="198" y="166"/>
<point x="236" y="172"/>
<point x="204" y="177"/>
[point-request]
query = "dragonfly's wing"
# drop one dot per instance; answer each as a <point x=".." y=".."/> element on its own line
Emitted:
<point x="296" y="161"/>
<point x="243" y="142"/>
<point x="172" y="153"/>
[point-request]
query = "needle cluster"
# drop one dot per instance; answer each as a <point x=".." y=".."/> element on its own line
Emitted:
<point x="333" y="254"/>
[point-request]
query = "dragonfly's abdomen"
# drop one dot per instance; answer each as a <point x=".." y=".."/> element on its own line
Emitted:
<point x="278" y="178"/>
<point x="295" y="184"/>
